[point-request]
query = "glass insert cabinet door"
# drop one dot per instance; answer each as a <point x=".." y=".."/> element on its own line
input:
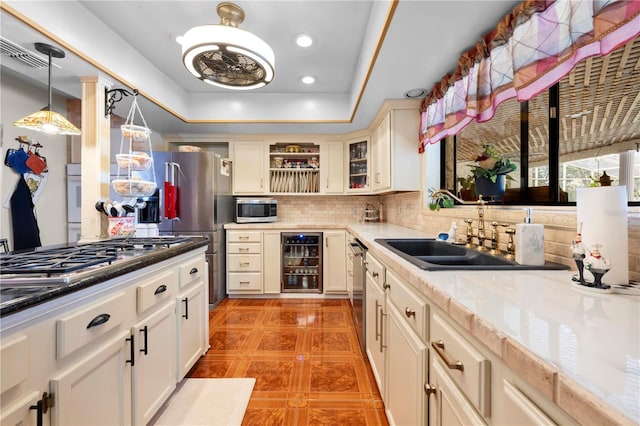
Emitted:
<point x="301" y="262"/>
<point x="358" y="165"/>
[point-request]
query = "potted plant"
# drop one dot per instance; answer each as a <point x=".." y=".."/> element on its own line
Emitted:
<point x="439" y="199"/>
<point x="467" y="189"/>
<point x="491" y="173"/>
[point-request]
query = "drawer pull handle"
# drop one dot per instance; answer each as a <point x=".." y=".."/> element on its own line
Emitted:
<point x="386" y="286"/>
<point x="243" y="249"/>
<point x="161" y="289"/>
<point x="193" y="271"/>
<point x="409" y="312"/>
<point x="245" y="282"/>
<point x="99" y="320"/>
<point x="186" y="308"/>
<point x="131" y="361"/>
<point x="243" y="237"/>
<point x="438" y="346"/>
<point x="245" y="263"/>
<point x="375" y="274"/>
<point x="42" y="406"/>
<point x="429" y="390"/>
<point x="145" y="330"/>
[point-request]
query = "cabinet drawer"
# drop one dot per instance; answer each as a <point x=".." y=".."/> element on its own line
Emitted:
<point x="375" y="269"/>
<point x="415" y="311"/>
<point x="244" y="236"/>
<point x="192" y="271"/>
<point x="520" y="410"/>
<point x="245" y="282"/>
<point x="155" y="290"/>
<point x="249" y="248"/>
<point x="85" y="325"/>
<point x="468" y="368"/>
<point x="245" y="263"/>
<point x="15" y="358"/>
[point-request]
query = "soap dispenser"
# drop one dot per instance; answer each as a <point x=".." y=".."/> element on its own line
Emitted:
<point x="529" y="240"/>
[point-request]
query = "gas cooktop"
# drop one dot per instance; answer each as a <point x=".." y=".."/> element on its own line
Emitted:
<point x="60" y="264"/>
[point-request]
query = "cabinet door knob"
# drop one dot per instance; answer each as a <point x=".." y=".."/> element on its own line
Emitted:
<point x="409" y="312"/>
<point x="429" y="390"/>
<point x="438" y="346"/>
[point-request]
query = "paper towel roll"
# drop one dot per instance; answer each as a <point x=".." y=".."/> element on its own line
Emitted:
<point x="602" y="211"/>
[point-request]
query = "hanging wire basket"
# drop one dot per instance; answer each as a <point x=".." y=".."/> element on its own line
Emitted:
<point x="135" y="157"/>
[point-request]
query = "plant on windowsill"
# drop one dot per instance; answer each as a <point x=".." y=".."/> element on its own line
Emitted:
<point x="439" y="199"/>
<point x="491" y="173"/>
<point x="467" y="189"/>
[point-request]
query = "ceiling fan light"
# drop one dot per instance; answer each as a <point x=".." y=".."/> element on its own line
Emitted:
<point x="48" y="121"/>
<point x="226" y="56"/>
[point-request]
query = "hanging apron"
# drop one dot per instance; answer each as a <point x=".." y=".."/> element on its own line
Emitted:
<point x="26" y="234"/>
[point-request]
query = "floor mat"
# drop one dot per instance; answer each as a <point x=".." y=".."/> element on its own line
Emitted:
<point x="211" y="402"/>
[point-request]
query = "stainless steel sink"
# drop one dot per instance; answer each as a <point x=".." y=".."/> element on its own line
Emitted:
<point x="434" y="255"/>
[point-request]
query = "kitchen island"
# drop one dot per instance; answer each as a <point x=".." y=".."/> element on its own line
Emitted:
<point x="111" y="342"/>
<point x="575" y="354"/>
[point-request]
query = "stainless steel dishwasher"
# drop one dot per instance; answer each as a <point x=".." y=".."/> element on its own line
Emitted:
<point x="359" y="275"/>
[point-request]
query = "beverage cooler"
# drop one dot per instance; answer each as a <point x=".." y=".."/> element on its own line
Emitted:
<point x="301" y="262"/>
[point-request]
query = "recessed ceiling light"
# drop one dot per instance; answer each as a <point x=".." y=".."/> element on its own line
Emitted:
<point x="308" y="79"/>
<point x="304" y="40"/>
<point x="415" y="93"/>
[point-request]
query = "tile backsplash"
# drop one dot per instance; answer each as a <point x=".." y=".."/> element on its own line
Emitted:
<point x="405" y="209"/>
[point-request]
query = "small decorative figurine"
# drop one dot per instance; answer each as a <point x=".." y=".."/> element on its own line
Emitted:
<point x="598" y="266"/>
<point x="579" y="253"/>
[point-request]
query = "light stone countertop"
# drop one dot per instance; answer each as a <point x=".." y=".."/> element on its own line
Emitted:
<point x="578" y="348"/>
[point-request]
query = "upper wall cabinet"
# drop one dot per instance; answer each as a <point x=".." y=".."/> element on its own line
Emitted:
<point x="332" y="168"/>
<point x="394" y="152"/>
<point x="248" y="167"/>
<point x="358" y="164"/>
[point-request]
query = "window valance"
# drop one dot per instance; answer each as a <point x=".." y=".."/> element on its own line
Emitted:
<point x="531" y="49"/>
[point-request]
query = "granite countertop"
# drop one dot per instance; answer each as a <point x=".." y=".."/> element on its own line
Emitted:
<point x="578" y="348"/>
<point x="106" y="272"/>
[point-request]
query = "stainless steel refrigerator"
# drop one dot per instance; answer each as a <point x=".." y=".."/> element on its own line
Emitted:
<point x="194" y="198"/>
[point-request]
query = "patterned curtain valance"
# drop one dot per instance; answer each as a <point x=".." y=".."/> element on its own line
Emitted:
<point x="530" y="50"/>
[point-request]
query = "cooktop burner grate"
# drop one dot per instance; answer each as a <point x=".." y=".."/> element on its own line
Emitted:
<point x="69" y="259"/>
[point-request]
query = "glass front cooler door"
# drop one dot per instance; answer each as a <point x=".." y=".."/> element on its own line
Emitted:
<point x="301" y="262"/>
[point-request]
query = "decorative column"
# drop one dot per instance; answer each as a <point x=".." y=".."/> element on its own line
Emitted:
<point x="626" y="162"/>
<point x="95" y="159"/>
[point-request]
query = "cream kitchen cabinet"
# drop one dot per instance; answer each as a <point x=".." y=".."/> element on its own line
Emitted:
<point x="334" y="262"/>
<point x="376" y="325"/>
<point x="244" y="262"/>
<point x="272" y="262"/>
<point x="248" y="167"/>
<point x="349" y="264"/>
<point x="408" y="316"/>
<point x="447" y="404"/>
<point x="394" y="147"/>
<point x="154" y="372"/>
<point x="192" y="315"/>
<point x="332" y="168"/>
<point x="97" y="389"/>
<point x="86" y="349"/>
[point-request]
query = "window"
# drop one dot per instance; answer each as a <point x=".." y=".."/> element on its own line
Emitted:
<point x="565" y="138"/>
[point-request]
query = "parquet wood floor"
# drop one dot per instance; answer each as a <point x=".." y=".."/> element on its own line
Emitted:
<point x="305" y="356"/>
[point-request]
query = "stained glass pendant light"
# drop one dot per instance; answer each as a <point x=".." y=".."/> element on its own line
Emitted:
<point x="47" y="120"/>
<point x="226" y="56"/>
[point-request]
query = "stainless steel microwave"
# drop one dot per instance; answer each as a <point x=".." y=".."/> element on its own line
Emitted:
<point x="256" y="210"/>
